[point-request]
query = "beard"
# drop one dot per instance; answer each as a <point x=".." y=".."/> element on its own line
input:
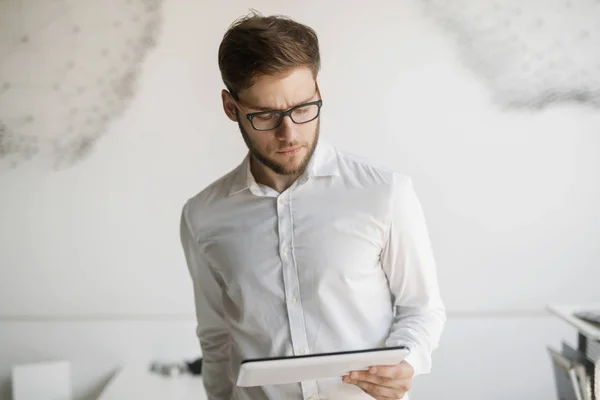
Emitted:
<point x="273" y="165"/>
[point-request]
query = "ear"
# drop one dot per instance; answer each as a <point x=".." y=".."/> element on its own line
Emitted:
<point x="228" y="105"/>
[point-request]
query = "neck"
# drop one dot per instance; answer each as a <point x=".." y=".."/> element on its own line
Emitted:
<point x="266" y="176"/>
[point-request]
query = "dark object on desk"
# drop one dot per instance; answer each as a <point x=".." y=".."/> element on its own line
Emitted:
<point x="176" y="369"/>
<point x="170" y="369"/>
<point x="195" y="367"/>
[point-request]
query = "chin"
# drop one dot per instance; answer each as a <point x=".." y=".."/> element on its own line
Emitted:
<point x="289" y="167"/>
<point x="292" y="166"/>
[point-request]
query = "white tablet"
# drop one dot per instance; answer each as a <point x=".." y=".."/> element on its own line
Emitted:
<point x="278" y="370"/>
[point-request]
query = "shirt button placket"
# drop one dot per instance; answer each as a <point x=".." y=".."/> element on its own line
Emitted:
<point x="290" y="280"/>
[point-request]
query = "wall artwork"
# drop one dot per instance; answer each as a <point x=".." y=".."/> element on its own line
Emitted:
<point x="530" y="54"/>
<point x="67" y="69"/>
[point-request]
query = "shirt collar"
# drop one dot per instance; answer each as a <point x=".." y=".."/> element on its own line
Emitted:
<point x="323" y="163"/>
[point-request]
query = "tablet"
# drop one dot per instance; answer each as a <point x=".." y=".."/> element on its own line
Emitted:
<point x="292" y="369"/>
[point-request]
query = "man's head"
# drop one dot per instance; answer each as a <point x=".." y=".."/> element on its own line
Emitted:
<point x="271" y="64"/>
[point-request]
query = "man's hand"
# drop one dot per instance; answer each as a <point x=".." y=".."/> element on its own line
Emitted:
<point x="384" y="382"/>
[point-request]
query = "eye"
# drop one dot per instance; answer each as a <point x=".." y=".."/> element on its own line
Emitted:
<point x="265" y="117"/>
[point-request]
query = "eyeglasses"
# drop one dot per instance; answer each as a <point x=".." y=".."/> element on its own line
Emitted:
<point x="300" y="114"/>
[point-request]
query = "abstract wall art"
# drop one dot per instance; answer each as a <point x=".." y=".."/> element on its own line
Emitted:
<point x="530" y="54"/>
<point x="67" y="69"/>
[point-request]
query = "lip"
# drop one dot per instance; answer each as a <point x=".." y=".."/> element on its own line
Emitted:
<point x="289" y="151"/>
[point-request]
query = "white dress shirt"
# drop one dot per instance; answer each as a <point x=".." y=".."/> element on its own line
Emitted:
<point x="339" y="261"/>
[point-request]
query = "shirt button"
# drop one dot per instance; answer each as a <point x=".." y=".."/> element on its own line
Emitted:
<point x="281" y="200"/>
<point x="310" y="398"/>
<point x="284" y="250"/>
<point x="293" y="300"/>
<point x="302" y="351"/>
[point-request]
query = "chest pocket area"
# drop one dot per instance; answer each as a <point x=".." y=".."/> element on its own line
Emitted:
<point x="246" y="259"/>
<point x="342" y="246"/>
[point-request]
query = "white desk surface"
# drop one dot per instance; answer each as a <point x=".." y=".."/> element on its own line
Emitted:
<point x="138" y="382"/>
<point x="565" y="312"/>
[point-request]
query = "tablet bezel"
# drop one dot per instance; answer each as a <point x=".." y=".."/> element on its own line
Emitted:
<point x="246" y="364"/>
<point x="336" y="353"/>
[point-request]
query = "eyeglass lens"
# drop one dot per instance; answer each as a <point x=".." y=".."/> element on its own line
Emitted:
<point x="300" y="115"/>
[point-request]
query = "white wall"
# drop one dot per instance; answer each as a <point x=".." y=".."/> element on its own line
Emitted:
<point x="90" y="264"/>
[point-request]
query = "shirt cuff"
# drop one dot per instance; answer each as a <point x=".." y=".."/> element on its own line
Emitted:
<point x="419" y="359"/>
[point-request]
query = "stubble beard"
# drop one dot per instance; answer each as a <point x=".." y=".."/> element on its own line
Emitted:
<point x="274" y="165"/>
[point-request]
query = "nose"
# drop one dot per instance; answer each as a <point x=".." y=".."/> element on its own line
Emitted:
<point x="287" y="130"/>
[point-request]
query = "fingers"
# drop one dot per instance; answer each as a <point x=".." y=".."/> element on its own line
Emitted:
<point x="399" y="371"/>
<point x="368" y="377"/>
<point x="379" y="387"/>
<point x="389" y="372"/>
<point x="383" y="382"/>
<point x="379" y="391"/>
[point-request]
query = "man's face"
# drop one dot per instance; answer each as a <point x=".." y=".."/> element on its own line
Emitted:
<point x="287" y="149"/>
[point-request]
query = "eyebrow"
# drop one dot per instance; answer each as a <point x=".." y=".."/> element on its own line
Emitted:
<point x="262" y="108"/>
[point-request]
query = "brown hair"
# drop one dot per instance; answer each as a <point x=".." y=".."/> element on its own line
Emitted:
<point x="257" y="45"/>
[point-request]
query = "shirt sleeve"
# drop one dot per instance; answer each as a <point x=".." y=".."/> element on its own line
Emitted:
<point x="211" y="328"/>
<point x="408" y="261"/>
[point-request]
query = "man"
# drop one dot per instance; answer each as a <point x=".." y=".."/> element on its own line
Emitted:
<point x="302" y="248"/>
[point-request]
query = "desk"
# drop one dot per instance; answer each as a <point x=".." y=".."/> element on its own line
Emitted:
<point x="135" y="382"/>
